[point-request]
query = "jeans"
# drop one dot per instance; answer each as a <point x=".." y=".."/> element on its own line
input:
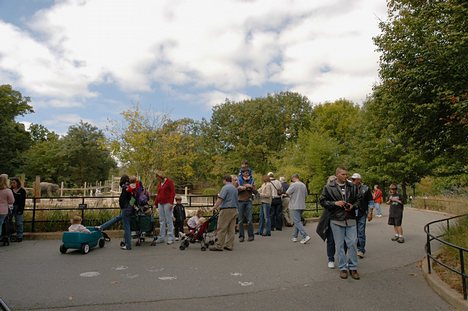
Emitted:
<point x="378" y="210"/>
<point x="111" y="221"/>
<point x="264" y="221"/>
<point x="2" y="218"/>
<point x="346" y="235"/>
<point x="165" y="222"/>
<point x="126" y="214"/>
<point x="298" y="227"/>
<point x="361" y="232"/>
<point x="19" y="225"/>
<point x="276" y="214"/>
<point x="245" y="212"/>
<point x="330" y="245"/>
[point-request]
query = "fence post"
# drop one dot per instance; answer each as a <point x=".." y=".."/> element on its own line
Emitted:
<point x="33" y="221"/>
<point x="462" y="265"/>
<point x="428" y="243"/>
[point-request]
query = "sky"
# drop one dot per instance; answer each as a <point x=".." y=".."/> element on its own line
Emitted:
<point x="91" y="60"/>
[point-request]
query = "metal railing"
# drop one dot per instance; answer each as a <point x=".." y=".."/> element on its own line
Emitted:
<point x="82" y="206"/>
<point x="461" y="250"/>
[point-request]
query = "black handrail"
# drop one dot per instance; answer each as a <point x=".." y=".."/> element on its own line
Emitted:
<point x="430" y="237"/>
<point x="211" y="200"/>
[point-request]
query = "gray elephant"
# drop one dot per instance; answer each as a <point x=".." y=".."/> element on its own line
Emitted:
<point x="49" y="189"/>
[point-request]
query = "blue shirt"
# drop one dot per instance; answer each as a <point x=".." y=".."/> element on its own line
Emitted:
<point x="229" y="195"/>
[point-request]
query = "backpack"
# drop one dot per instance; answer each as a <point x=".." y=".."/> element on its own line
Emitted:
<point x="142" y="196"/>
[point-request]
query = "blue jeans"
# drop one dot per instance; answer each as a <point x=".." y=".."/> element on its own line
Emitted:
<point x="165" y="220"/>
<point x="264" y="220"/>
<point x="244" y="211"/>
<point x="361" y="232"/>
<point x="19" y="225"/>
<point x="330" y="245"/>
<point x="346" y="235"/>
<point x="111" y="221"/>
<point x="298" y="227"/>
<point x="126" y="214"/>
<point x="378" y="210"/>
<point x="2" y="218"/>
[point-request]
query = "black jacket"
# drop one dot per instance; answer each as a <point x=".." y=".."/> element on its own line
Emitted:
<point x="20" y="200"/>
<point x="332" y="193"/>
<point x="365" y="196"/>
<point x="125" y="197"/>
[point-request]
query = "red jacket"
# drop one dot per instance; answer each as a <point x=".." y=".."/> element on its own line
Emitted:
<point x="166" y="192"/>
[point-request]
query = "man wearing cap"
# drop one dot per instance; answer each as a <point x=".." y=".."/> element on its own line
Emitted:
<point x="276" y="204"/>
<point x="297" y="193"/>
<point x="341" y="199"/>
<point x="227" y="203"/>
<point x="363" y="214"/>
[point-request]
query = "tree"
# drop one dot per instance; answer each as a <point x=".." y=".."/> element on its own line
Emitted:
<point x="424" y="72"/>
<point x="256" y="130"/>
<point x="145" y="144"/>
<point x="14" y="139"/>
<point x="87" y="156"/>
<point x="332" y="139"/>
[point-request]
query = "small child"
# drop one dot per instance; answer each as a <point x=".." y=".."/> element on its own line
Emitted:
<point x="179" y="217"/>
<point x="196" y="221"/>
<point x="395" y="216"/>
<point x="76" y="225"/>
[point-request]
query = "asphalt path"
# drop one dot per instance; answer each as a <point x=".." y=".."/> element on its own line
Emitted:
<point x="270" y="273"/>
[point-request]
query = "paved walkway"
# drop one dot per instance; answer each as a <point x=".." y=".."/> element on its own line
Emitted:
<point x="270" y="273"/>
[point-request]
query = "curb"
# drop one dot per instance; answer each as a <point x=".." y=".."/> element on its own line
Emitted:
<point x="450" y="295"/>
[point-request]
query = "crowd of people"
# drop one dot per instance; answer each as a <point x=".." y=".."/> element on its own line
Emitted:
<point x="348" y="205"/>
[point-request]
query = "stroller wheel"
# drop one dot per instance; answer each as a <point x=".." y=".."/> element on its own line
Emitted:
<point x="182" y="247"/>
<point x="211" y="242"/>
<point x="203" y="248"/>
<point x="122" y="243"/>
<point x="186" y="243"/>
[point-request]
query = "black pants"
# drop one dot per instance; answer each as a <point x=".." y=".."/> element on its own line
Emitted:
<point x="178" y="227"/>
<point x="276" y="214"/>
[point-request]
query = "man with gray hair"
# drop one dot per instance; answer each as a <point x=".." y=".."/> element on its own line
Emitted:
<point x="297" y="193"/>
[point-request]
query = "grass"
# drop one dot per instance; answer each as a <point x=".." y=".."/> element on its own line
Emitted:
<point x="451" y="205"/>
<point x="458" y="235"/>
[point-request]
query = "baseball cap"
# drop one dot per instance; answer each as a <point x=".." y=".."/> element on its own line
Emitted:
<point x="356" y="176"/>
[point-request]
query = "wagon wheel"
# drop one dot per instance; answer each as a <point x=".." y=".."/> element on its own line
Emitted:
<point x="102" y="242"/>
<point x="63" y="249"/>
<point x="85" y="248"/>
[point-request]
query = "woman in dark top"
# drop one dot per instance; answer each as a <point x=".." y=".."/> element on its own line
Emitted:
<point x="126" y="208"/>
<point x="18" y="207"/>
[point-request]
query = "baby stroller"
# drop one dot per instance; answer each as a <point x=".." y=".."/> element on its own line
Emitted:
<point x="8" y="229"/>
<point x="142" y="223"/>
<point x="205" y="234"/>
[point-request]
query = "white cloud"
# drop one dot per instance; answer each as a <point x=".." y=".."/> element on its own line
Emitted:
<point x="215" y="48"/>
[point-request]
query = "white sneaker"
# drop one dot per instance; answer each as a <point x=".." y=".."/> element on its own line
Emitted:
<point x="159" y="240"/>
<point x="170" y="242"/>
<point x="378" y="216"/>
<point x="305" y="240"/>
<point x="331" y="265"/>
<point x="294" y="239"/>
<point x="177" y="239"/>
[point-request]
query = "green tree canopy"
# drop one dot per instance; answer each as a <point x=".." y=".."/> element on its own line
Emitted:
<point x="14" y="139"/>
<point x="424" y="72"/>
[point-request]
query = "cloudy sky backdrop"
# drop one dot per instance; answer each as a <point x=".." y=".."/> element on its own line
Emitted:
<point x="92" y="59"/>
